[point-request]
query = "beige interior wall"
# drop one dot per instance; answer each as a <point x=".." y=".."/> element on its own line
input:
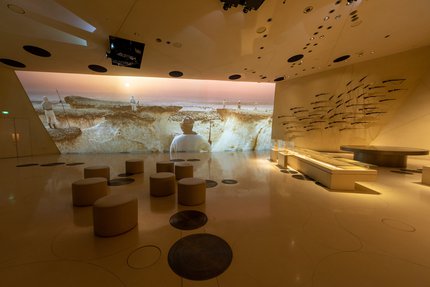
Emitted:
<point x="406" y="114"/>
<point x="410" y="127"/>
<point x="34" y="139"/>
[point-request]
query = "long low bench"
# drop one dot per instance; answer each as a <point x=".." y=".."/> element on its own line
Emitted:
<point x="332" y="173"/>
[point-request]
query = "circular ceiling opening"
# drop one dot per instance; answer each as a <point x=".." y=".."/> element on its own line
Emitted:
<point x="235" y="77"/>
<point x="12" y="63"/>
<point x="37" y="51"/>
<point x="338" y="2"/>
<point x="158" y="40"/>
<point x="295" y="58"/>
<point x="341" y="58"/>
<point x="97" y="68"/>
<point x="15" y="9"/>
<point x="278" y="79"/>
<point x="176" y="74"/>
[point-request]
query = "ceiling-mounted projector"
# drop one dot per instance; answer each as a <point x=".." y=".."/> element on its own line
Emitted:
<point x="248" y="5"/>
<point x="125" y="53"/>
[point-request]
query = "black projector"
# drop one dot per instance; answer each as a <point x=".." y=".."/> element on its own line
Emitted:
<point x="125" y="53"/>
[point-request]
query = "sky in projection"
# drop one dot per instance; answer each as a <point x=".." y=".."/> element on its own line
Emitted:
<point x="146" y="89"/>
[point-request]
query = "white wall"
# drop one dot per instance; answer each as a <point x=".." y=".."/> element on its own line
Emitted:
<point x="402" y="115"/>
<point x="33" y="137"/>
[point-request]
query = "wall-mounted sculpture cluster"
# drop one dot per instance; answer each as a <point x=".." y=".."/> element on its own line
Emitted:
<point x="359" y="104"/>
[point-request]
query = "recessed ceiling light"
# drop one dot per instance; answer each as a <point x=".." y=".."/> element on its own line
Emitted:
<point x="312" y="38"/>
<point x="337" y="17"/>
<point x="372" y="52"/>
<point x="16" y="9"/>
<point x="308" y="9"/>
<point x="387" y="36"/>
<point x="261" y="29"/>
<point x="326" y="18"/>
<point x="321" y="36"/>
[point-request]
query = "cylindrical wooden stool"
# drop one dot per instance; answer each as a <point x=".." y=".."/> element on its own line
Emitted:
<point x="183" y="170"/>
<point x="134" y="166"/>
<point x="115" y="214"/>
<point x="97" y="171"/>
<point x="191" y="191"/>
<point x="86" y="191"/>
<point x="162" y="184"/>
<point x="165" y="166"/>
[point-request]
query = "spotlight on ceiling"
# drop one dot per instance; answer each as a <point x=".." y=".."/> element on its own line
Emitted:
<point x="349" y="2"/>
<point x="248" y="4"/>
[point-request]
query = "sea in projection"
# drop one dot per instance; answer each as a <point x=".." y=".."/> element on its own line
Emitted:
<point x="89" y="113"/>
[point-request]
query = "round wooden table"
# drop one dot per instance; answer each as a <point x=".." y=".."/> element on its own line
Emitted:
<point x="389" y="156"/>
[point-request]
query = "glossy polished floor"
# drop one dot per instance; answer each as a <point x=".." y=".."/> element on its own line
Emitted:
<point x="283" y="231"/>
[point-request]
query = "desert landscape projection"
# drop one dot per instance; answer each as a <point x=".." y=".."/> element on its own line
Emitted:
<point x="92" y="113"/>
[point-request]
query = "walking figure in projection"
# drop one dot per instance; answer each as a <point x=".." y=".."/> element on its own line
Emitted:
<point x="133" y="104"/>
<point x="49" y="113"/>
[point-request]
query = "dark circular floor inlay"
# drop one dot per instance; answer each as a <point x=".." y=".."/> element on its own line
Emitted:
<point x="177" y="159"/>
<point x="284" y="170"/>
<point x="229" y="181"/>
<point x="299" y="176"/>
<point x="97" y="68"/>
<point x="37" y="51"/>
<point x="401" y="172"/>
<point x="193" y="159"/>
<point x="12" y="63"/>
<point x="75" y="163"/>
<point x="120" y="181"/>
<point x="412" y="170"/>
<point x="125" y="174"/>
<point x="52" y="164"/>
<point x="200" y="256"/>
<point x="27" y="164"/>
<point x="295" y="58"/>
<point x="188" y="219"/>
<point x="210" y="183"/>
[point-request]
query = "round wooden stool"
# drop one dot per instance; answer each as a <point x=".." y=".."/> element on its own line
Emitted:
<point x="191" y="191"/>
<point x="183" y="170"/>
<point x="115" y="214"/>
<point x="162" y="184"/>
<point x="86" y="191"/>
<point x="134" y="166"/>
<point x="97" y="171"/>
<point x="165" y="166"/>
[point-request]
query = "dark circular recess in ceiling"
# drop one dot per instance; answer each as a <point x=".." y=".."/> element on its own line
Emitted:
<point x="353" y="12"/>
<point x="308" y="9"/>
<point x="316" y="33"/>
<point x="329" y="27"/>
<point x="158" y="40"/>
<point x="52" y="164"/>
<point x="176" y="74"/>
<point x="258" y="57"/>
<point x="264" y="36"/>
<point x="188" y="219"/>
<point x="167" y="42"/>
<point x="27" y="164"/>
<point x="234" y="77"/>
<point x="97" y="68"/>
<point x="12" y="63"/>
<point x="320" y="27"/>
<point x="341" y="58"/>
<point x="278" y="79"/>
<point x="261" y="48"/>
<point x="37" y="51"/>
<point x="74" y="163"/>
<point x="354" y="19"/>
<point x="229" y="181"/>
<point x="263" y="77"/>
<point x="338" y="2"/>
<point x="295" y="58"/>
<point x="331" y="11"/>
<point x="200" y="256"/>
<point x="269" y="20"/>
